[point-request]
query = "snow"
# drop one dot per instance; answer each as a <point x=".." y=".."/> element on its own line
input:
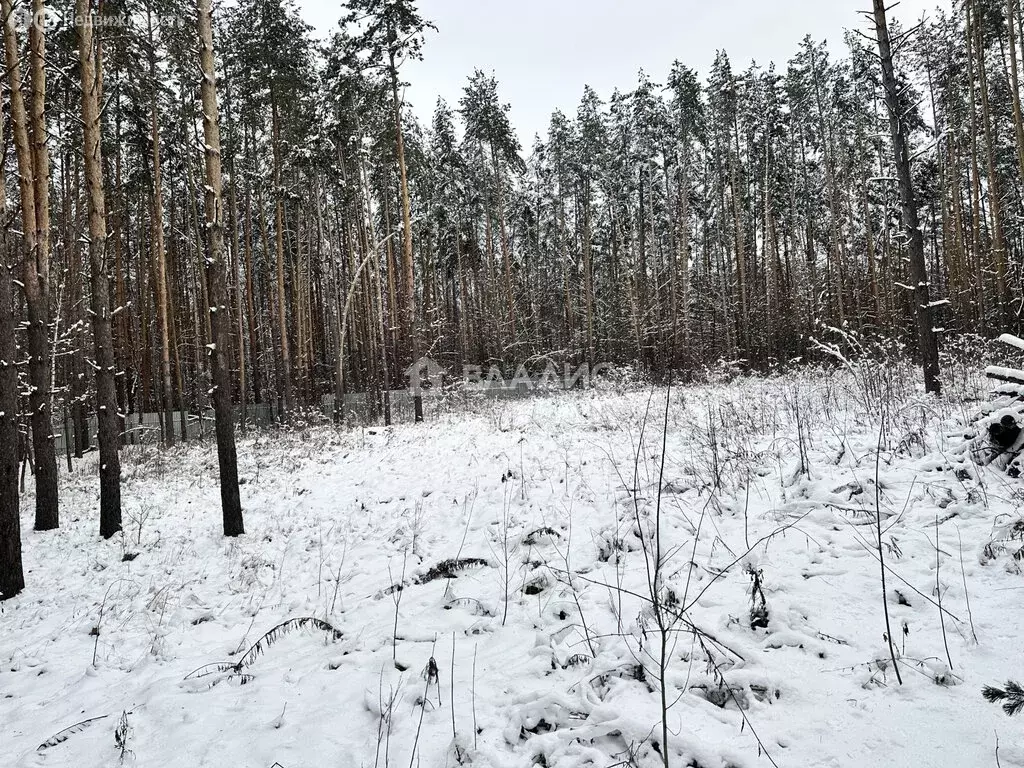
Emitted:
<point x="558" y="496"/>
<point x="1002" y="372"/>
<point x="1013" y="341"/>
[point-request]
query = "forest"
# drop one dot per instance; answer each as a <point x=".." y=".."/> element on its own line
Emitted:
<point x="679" y="222"/>
<point x="217" y="224"/>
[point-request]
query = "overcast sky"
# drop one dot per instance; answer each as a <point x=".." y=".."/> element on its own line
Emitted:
<point x="544" y="51"/>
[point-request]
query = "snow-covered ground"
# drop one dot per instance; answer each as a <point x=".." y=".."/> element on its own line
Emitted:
<point x="543" y="648"/>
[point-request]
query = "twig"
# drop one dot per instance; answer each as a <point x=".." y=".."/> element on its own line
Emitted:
<point x="430" y="673"/>
<point x="465" y="533"/>
<point x="473" y="690"/>
<point x="963" y="575"/>
<point x="881" y="556"/>
<point x="870" y="549"/>
<point x="938" y="595"/>
<point x="664" y="627"/>
<point x="396" y="596"/>
<point x="451" y="682"/>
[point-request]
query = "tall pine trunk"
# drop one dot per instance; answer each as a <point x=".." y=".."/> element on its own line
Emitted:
<point x="287" y="388"/>
<point x="33" y="187"/>
<point x="220" y="317"/>
<point x="90" y="68"/>
<point x="994" y="186"/>
<point x="1012" y="12"/>
<point x="160" y="253"/>
<point x="927" y="341"/>
<point x="12" y="575"/>
<point x="408" y="277"/>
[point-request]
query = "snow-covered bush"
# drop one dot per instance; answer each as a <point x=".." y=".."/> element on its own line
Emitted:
<point x="883" y="374"/>
<point x="962" y="360"/>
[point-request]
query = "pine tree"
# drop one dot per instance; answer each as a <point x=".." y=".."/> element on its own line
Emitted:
<point x="91" y="72"/>
<point x="927" y="341"/>
<point x="392" y="31"/>
<point x="28" y="118"/>
<point x="270" y="58"/>
<point x="12" y="576"/>
<point x="220" y="317"/>
<point x="491" y="139"/>
<point x="686" y="127"/>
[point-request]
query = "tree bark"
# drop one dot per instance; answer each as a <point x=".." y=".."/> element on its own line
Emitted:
<point x="408" y="277"/>
<point x="588" y="275"/>
<point x="1012" y="12"/>
<point x="12" y="575"/>
<point x="33" y="183"/>
<point x="250" y="305"/>
<point x="927" y="341"/>
<point x="90" y="67"/>
<point x="160" y="252"/>
<point x="282" y="299"/>
<point x="994" y="187"/>
<point x="220" y="318"/>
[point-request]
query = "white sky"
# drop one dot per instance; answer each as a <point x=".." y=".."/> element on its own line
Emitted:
<point x="544" y="51"/>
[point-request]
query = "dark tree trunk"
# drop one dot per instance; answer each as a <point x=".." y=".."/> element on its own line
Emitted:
<point x="106" y="388"/>
<point x="220" y="320"/>
<point x="12" y="574"/>
<point x="927" y="341"/>
<point x="12" y="577"/>
<point x="33" y="185"/>
<point x="408" y="284"/>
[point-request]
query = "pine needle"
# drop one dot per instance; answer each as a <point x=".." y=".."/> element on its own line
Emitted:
<point x="1012" y="697"/>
